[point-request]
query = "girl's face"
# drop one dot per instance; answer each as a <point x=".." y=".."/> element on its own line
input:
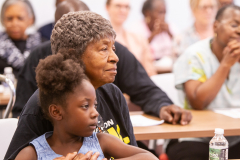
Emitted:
<point x="228" y="27"/>
<point x="80" y="116"/>
<point x="16" y="20"/>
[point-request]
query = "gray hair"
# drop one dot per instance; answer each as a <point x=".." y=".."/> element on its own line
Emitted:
<point x="26" y="3"/>
<point x="76" y="30"/>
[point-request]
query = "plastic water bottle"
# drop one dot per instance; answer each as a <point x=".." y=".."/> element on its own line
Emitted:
<point x="218" y="146"/>
<point x="8" y="72"/>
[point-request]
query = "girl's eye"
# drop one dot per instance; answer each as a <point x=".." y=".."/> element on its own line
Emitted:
<point x="95" y="105"/>
<point x="85" y="106"/>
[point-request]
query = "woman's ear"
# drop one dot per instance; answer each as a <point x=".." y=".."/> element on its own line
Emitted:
<point x="55" y="112"/>
<point x="30" y="21"/>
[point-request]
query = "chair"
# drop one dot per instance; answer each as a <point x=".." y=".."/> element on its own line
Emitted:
<point x="7" y="128"/>
<point x="166" y="83"/>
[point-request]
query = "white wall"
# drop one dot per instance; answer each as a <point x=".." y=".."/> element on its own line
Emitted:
<point x="178" y="11"/>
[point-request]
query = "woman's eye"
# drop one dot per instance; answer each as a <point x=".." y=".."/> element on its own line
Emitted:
<point x="104" y="49"/>
<point x="234" y="25"/>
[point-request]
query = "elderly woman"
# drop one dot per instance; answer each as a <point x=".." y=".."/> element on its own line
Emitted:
<point x="118" y="11"/>
<point x="15" y="46"/>
<point x="204" y="12"/>
<point x="207" y="74"/>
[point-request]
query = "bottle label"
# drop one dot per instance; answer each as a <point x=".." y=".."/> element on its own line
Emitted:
<point x="218" y="154"/>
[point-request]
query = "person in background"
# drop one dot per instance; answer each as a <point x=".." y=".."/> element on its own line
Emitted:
<point x="46" y="30"/>
<point x="15" y="44"/>
<point x="204" y="12"/>
<point x="118" y="11"/>
<point x="225" y="2"/>
<point x="207" y="75"/>
<point x="158" y="32"/>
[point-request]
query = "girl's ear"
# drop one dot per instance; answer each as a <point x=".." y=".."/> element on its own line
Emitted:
<point x="55" y="112"/>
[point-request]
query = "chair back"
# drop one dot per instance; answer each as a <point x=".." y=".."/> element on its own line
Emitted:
<point x="7" y="129"/>
<point x="166" y="83"/>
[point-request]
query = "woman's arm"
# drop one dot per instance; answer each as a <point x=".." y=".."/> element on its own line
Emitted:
<point x="113" y="147"/>
<point x="27" y="153"/>
<point x="199" y="94"/>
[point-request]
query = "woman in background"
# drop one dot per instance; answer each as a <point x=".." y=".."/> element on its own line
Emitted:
<point x="158" y="32"/>
<point x="118" y="11"/>
<point x="15" y="46"/>
<point x="207" y="75"/>
<point x="204" y="12"/>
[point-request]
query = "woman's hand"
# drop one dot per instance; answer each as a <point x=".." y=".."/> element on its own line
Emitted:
<point x="159" y="27"/>
<point x="231" y="54"/>
<point x="74" y="156"/>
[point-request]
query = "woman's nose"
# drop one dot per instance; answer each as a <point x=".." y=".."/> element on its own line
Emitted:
<point x="113" y="57"/>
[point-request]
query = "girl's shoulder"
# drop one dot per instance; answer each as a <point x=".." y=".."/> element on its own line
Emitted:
<point x="27" y="153"/>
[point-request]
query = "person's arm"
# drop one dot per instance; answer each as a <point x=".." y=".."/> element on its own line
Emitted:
<point x="199" y="94"/>
<point x="113" y="147"/>
<point x="133" y="80"/>
<point x="28" y="153"/>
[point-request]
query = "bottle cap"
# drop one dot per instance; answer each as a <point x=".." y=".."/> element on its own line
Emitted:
<point x="8" y="70"/>
<point x="219" y="131"/>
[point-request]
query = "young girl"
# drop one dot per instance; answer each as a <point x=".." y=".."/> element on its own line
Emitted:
<point x="68" y="100"/>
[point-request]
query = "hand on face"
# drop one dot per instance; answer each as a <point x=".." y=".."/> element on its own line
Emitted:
<point x="159" y="27"/>
<point x="231" y="53"/>
<point x="174" y="114"/>
<point x="74" y="156"/>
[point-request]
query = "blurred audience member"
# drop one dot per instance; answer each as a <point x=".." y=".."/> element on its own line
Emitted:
<point x="15" y="44"/>
<point x="207" y="74"/>
<point x="225" y="2"/>
<point x="118" y="11"/>
<point x="46" y="30"/>
<point x="204" y="12"/>
<point x="157" y="30"/>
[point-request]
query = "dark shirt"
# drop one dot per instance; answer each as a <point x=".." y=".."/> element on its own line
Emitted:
<point x="46" y="31"/>
<point x="131" y="78"/>
<point x="111" y="106"/>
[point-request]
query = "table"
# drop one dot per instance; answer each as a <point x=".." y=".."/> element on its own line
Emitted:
<point x="203" y="124"/>
<point x="4" y="99"/>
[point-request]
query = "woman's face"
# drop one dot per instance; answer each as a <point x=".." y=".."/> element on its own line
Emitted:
<point x="80" y="115"/>
<point x="228" y="27"/>
<point x="118" y="11"/>
<point x="205" y="12"/>
<point x="16" y="21"/>
<point x="101" y="61"/>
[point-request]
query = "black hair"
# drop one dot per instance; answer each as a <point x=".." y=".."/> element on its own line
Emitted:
<point x="223" y="9"/>
<point x="57" y="76"/>
<point x="147" y="6"/>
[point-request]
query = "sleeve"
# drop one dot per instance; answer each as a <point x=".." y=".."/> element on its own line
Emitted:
<point x="190" y="66"/>
<point x="133" y="80"/>
<point x="30" y="126"/>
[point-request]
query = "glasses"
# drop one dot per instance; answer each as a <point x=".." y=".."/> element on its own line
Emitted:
<point x="119" y="6"/>
<point x="204" y="8"/>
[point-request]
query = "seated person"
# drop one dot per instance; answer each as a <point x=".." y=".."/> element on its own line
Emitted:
<point x="100" y="62"/>
<point x="158" y="32"/>
<point x="204" y="12"/>
<point x="46" y="31"/>
<point x="68" y="100"/>
<point x="118" y="11"/>
<point x="15" y="44"/>
<point x="208" y="76"/>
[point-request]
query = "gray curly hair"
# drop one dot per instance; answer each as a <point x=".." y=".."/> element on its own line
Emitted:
<point x="76" y="30"/>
